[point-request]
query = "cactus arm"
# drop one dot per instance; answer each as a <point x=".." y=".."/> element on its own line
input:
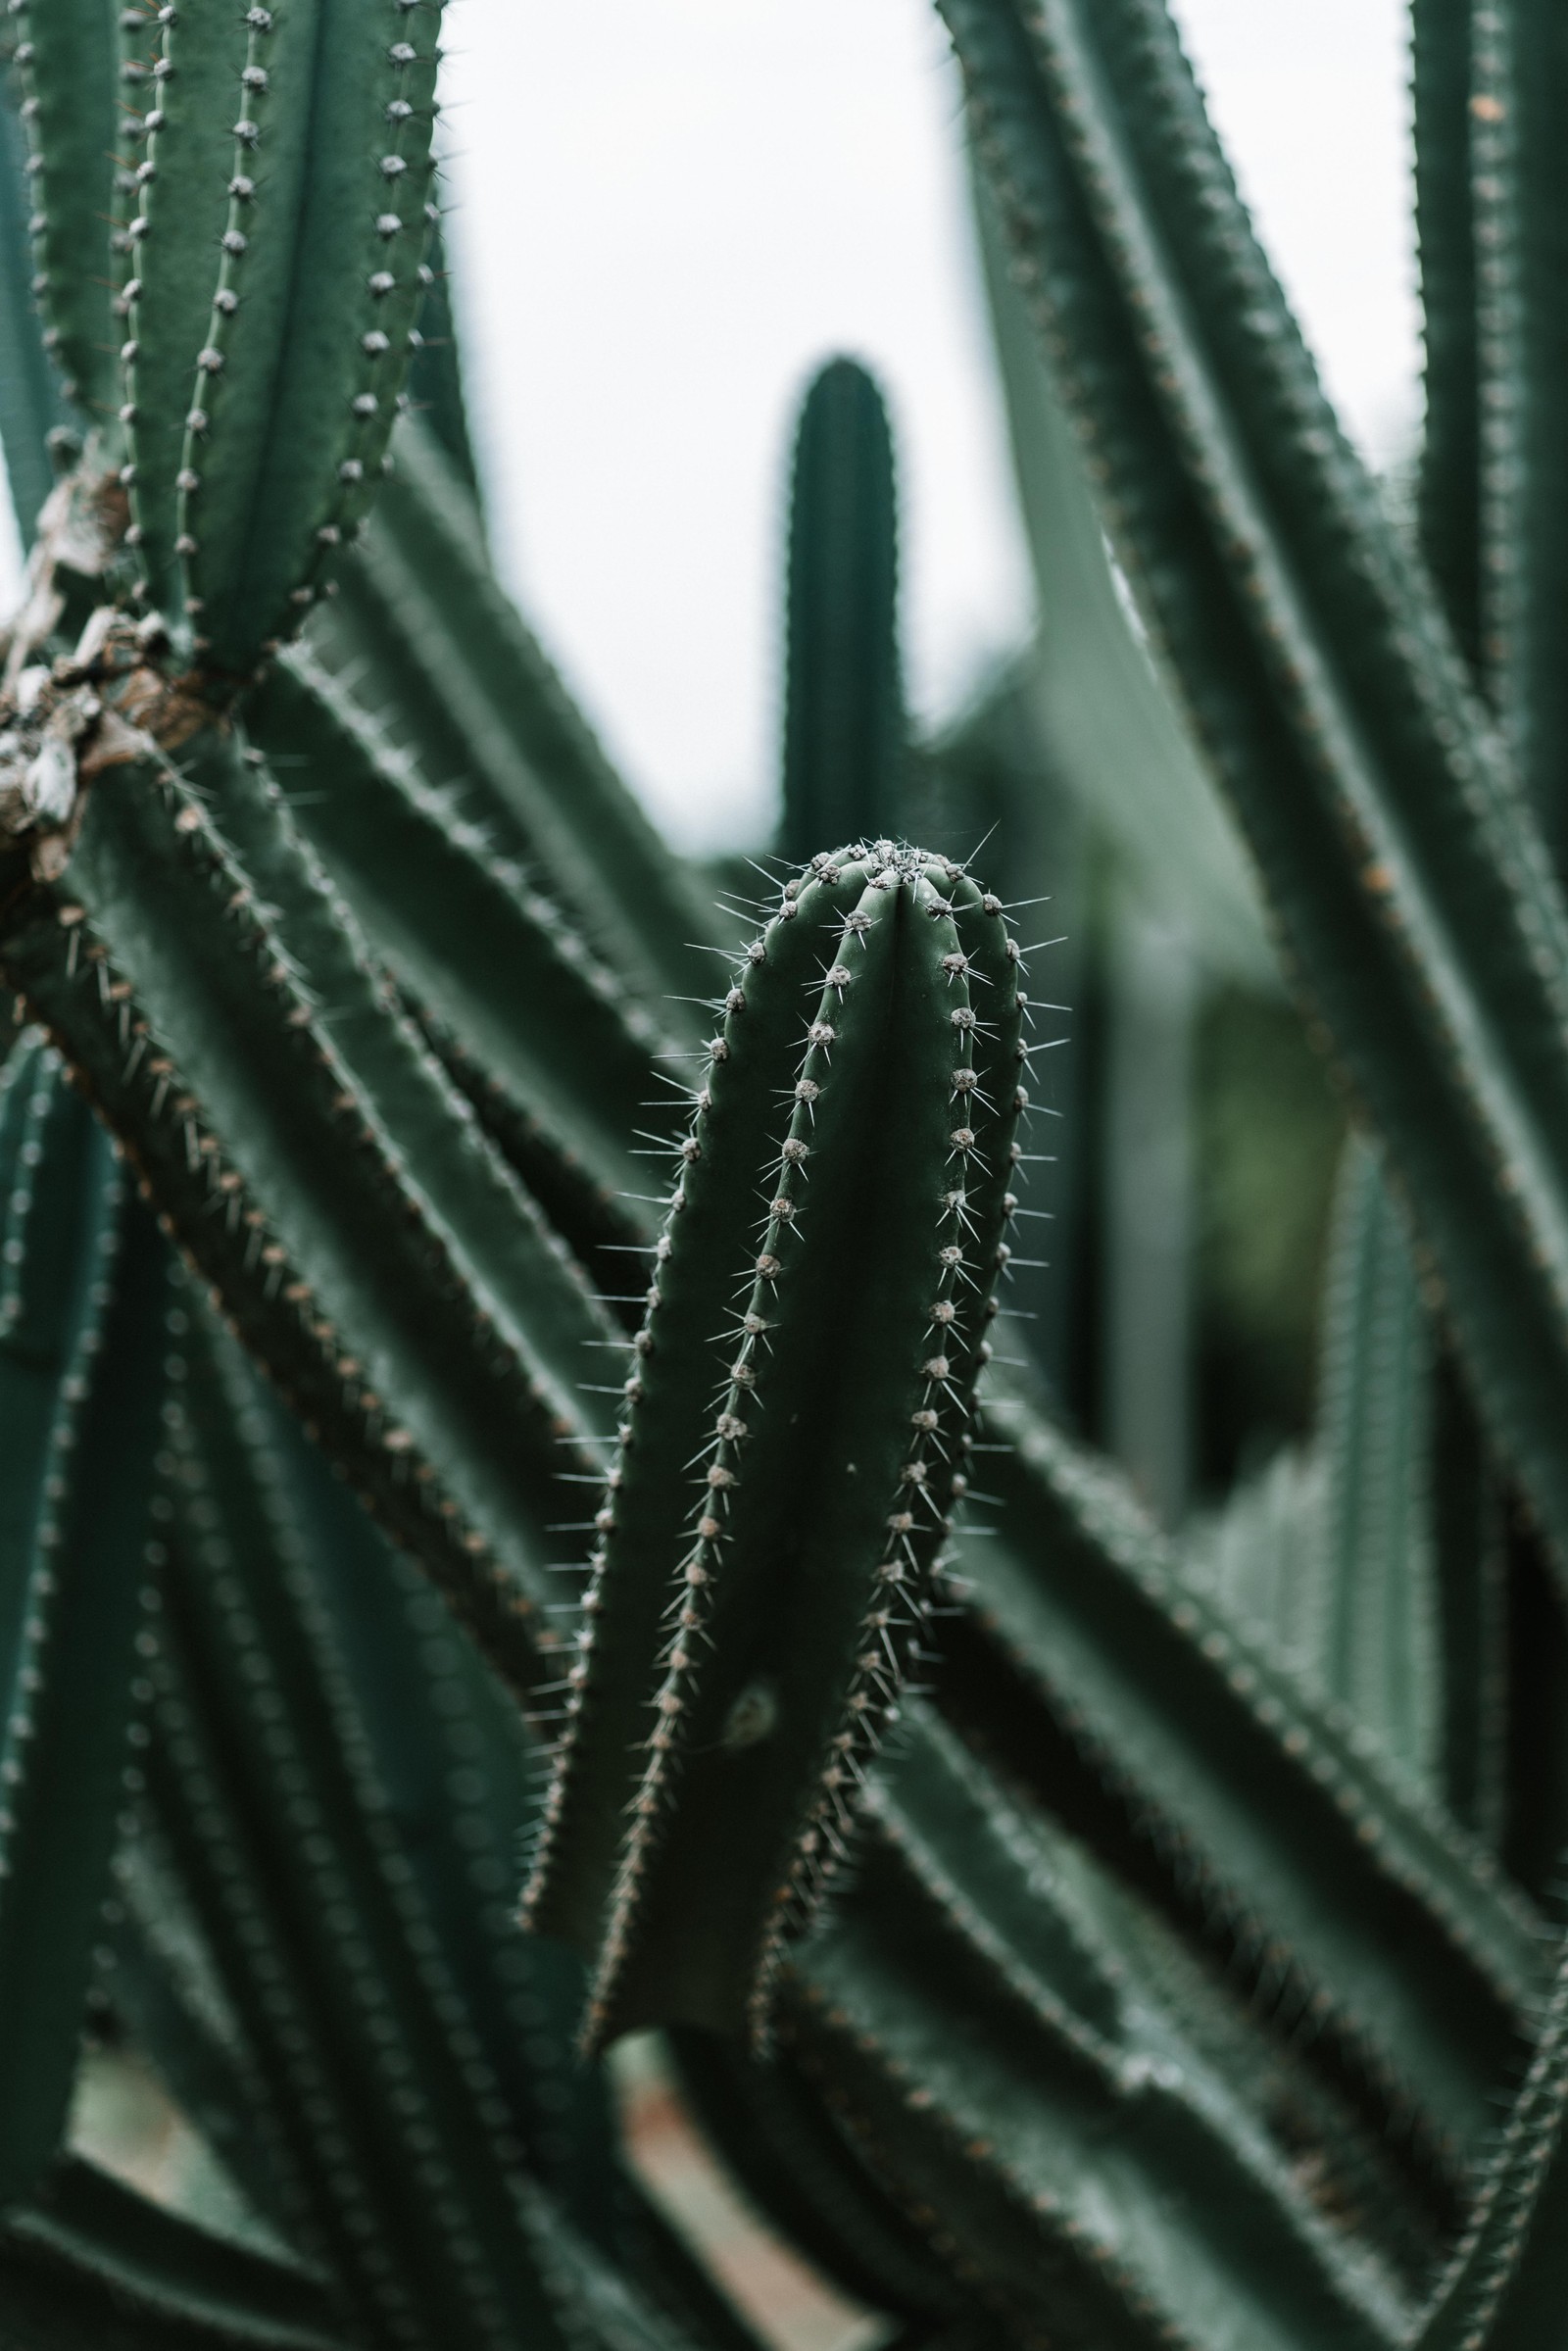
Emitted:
<point x="128" y="2264"/>
<point x="1377" y="1641"/>
<point x="286" y="395"/>
<point x="251" y="1665"/>
<point x="425" y="629"/>
<point x="845" y="744"/>
<point x="1114" y="2189"/>
<point x="1448" y="484"/>
<point x="493" y="1233"/>
<point x="170" y="1999"/>
<point x="782" y="2148"/>
<point x="30" y="403"/>
<point x="987" y="1915"/>
<point x="81" y="1349"/>
<point x="1507" y="2285"/>
<point x="1415" y="891"/>
<point x="66" y="58"/>
<point x="1519" y="188"/>
<point x="759" y="1610"/>
<point x="487" y="959"/>
<point x="335" y="1265"/>
<point x="1286" y="1838"/>
<point x="1092" y="695"/>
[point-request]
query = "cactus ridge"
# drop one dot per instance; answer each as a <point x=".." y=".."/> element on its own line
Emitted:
<point x="66" y="60"/>
<point x="1517" y="187"/>
<point x="33" y="417"/>
<point x="1376" y="1648"/>
<point x="89" y="2264"/>
<point x="299" y="1286"/>
<point x="514" y="1000"/>
<point x="81" y="1349"/>
<point x="423" y="632"/>
<point x="279" y="266"/>
<point x="962" y="1907"/>
<point x="248" y="1666"/>
<point x="1505" y="2288"/>
<point x="1307" y="641"/>
<point x="910" y="944"/>
<point x="1190" y="1725"/>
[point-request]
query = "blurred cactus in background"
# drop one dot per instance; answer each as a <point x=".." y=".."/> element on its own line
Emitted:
<point x="1012" y="1609"/>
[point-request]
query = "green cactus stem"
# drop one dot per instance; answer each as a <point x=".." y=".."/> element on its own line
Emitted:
<point x="1433" y="946"/>
<point x="66" y="59"/>
<point x="1285" y="1841"/>
<point x="1506" y="2286"/>
<point x="279" y="267"/>
<point x="793" y="1437"/>
<point x="845" y="748"/>
<point x="92" y="2265"/>
<point x="31" y="404"/>
<point x="302" y="1207"/>
<point x="1448" y="489"/>
<point x="429" y="642"/>
<point x="559" y="1062"/>
<point x="1518" y="185"/>
<point x="81" y="1345"/>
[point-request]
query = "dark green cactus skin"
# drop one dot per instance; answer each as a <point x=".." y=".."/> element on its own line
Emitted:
<point x="31" y="405"/>
<point x="845" y="744"/>
<point x="92" y="2265"/>
<point x="66" y="59"/>
<point x="437" y="652"/>
<point x="300" y="1261"/>
<point x="1449" y="485"/>
<point x="80" y="1380"/>
<point x="1519" y="187"/>
<point x="1506" y="2286"/>
<point x="560" y="1064"/>
<point x="278" y="270"/>
<point x="1308" y="648"/>
<point x="1186" y="1956"/>
<point x="762" y="1569"/>
<point x="1285" y="1835"/>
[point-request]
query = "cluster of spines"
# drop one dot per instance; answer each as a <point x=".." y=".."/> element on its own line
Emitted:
<point x="931" y="1482"/>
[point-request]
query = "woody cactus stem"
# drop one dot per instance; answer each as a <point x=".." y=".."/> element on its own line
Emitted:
<point x="795" y="1437"/>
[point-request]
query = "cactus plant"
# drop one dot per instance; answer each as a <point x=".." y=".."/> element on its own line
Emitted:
<point x="1071" y="1929"/>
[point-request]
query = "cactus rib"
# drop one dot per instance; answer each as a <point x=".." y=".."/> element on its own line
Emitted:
<point x="66" y="57"/>
<point x="543" y="1032"/>
<point x="1427" y="927"/>
<point x="1281" y="1829"/>
<point x="80" y="1350"/>
<point x="92" y="2265"/>
<point x="279" y="266"/>
<point x="382" y="1362"/>
<point x="424" y="628"/>
<point x="765" y="1625"/>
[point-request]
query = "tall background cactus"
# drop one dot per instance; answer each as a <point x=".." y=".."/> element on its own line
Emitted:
<point x="1065" y="1740"/>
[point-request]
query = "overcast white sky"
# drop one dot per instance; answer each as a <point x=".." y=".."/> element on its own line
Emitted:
<point x="666" y="212"/>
